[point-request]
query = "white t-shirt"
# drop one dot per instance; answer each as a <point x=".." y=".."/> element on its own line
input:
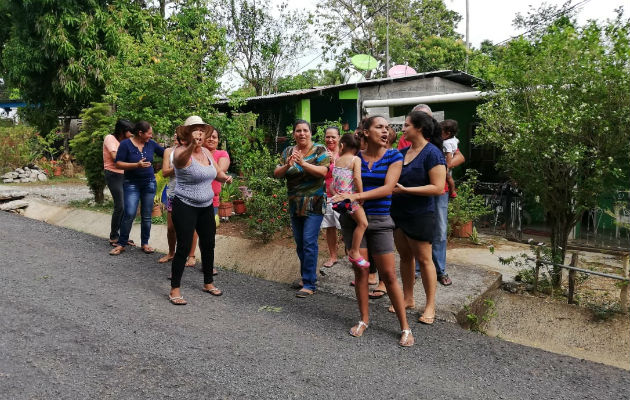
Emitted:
<point x="450" y="145"/>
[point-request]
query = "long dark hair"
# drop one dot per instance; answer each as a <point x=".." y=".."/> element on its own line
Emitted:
<point x="429" y="127"/>
<point x="122" y="126"/>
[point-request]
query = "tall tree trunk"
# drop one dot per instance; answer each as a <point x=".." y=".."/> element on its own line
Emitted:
<point x="560" y="228"/>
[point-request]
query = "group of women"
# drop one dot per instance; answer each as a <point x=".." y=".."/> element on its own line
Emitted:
<point x="397" y="197"/>
<point x="129" y="154"/>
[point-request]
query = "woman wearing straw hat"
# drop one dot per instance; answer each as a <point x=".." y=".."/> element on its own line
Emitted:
<point x="195" y="170"/>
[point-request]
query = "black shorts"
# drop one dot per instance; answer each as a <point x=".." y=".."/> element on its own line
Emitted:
<point x="418" y="227"/>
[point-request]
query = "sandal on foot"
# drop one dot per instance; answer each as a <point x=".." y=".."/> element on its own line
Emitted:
<point x="359" y="262"/>
<point x="406" y="338"/>
<point x="374" y="294"/>
<point x="130" y="243"/>
<point x="177" y="300"/>
<point x="116" y="250"/>
<point x="358" y="329"/>
<point x="165" y="259"/>
<point x="392" y="310"/>
<point x="303" y="293"/>
<point x="190" y="264"/>
<point x="426" y="320"/>
<point x="214" y="291"/>
<point x="148" y="249"/>
<point x="329" y="264"/>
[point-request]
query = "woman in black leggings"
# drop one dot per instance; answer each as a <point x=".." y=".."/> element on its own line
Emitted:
<point x="195" y="170"/>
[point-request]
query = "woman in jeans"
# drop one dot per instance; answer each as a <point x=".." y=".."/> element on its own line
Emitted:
<point x="380" y="170"/>
<point x="304" y="166"/>
<point x="195" y="170"/>
<point x="331" y="217"/>
<point x="115" y="177"/>
<point x="135" y="157"/>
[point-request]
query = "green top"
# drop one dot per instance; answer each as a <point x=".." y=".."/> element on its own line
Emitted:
<point x="306" y="192"/>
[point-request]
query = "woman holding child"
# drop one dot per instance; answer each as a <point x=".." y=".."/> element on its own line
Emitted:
<point x="380" y="170"/>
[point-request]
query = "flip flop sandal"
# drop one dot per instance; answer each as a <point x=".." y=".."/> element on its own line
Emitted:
<point x="329" y="264"/>
<point x="359" y="262"/>
<point x="165" y="259"/>
<point x="178" y="300"/>
<point x="304" y="293"/>
<point x="131" y="243"/>
<point x="113" y="243"/>
<point x="374" y="296"/>
<point x="188" y="264"/>
<point x="358" y="332"/>
<point x="116" y="250"/>
<point x="352" y="283"/>
<point x="214" y="291"/>
<point x="148" y="249"/>
<point x="426" y="320"/>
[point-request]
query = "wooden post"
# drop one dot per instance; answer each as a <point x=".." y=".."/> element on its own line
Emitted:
<point x="574" y="263"/>
<point x="625" y="289"/>
<point x="537" y="270"/>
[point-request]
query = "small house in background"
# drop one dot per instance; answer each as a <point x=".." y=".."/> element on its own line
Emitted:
<point x="450" y="94"/>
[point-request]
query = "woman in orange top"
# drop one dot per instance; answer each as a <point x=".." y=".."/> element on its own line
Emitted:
<point x="114" y="177"/>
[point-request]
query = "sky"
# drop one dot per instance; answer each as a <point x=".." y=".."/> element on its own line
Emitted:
<point x="489" y="19"/>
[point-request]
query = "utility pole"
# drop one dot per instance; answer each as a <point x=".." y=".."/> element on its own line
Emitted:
<point x="387" y="40"/>
<point x="467" y="34"/>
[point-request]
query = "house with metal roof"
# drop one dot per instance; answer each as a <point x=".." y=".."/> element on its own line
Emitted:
<point x="451" y="94"/>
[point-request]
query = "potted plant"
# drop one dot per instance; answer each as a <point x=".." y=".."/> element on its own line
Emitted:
<point x="160" y="184"/>
<point x="467" y="207"/>
<point x="228" y="192"/>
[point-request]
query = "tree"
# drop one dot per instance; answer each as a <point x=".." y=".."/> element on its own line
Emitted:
<point x="59" y="54"/>
<point x="171" y="71"/>
<point x="360" y="27"/>
<point x="263" y="47"/>
<point x="309" y="79"/>
<point x="87" y="145"/>
<point x="559" y="114"/>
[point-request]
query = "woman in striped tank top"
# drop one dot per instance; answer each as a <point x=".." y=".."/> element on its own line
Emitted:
<point x="380" y="170"/>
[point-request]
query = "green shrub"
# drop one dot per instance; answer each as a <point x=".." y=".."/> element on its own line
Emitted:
<point x="87" y="146"/>
<point x="467" y="206"/>
<point x="267" y="208"/>
<point x="19" y="146"/>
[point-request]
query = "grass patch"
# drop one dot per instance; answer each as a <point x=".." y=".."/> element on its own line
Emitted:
<point x="89" y="204"/>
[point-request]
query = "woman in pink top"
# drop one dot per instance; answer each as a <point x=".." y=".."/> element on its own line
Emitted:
<point x="331" y="218"/>
<point x="114" y="177"/>
<point x="222" y="158"/>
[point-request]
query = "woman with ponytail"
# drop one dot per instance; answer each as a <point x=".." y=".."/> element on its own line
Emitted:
<point x="422" y="177"/>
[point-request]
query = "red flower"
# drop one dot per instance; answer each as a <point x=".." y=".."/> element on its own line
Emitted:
<point x="284" y="209"/>
<point x="259" y="220"/>
<point x="284" y="203"/>
<point x="274" y="195"/>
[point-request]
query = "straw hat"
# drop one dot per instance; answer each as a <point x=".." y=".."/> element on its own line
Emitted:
<point x="193" y="123"/>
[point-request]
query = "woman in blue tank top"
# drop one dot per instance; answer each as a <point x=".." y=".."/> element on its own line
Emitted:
<point x="195" y="170"/>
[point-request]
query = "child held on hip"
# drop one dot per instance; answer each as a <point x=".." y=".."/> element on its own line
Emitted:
<point x="347" y="179"/>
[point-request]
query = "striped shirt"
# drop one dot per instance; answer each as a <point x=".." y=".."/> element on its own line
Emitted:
<point x="306" y="192"/>
<point x="375" y="178"/>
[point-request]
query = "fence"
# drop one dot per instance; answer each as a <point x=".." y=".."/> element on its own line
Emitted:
<point x="573" y="269"/>
<point x="506" y="203"/>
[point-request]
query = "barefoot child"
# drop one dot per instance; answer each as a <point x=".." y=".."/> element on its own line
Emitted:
<point x="347" y="179"/>
<point x="449" y="147"/>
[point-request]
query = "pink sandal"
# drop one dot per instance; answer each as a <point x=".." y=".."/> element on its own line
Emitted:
<point x="359" y="262"/>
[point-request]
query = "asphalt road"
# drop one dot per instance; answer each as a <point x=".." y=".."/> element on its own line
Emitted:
<point x="77" y="323"/>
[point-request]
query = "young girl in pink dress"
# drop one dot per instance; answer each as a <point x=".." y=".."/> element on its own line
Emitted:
<point x="347" y="179"/>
